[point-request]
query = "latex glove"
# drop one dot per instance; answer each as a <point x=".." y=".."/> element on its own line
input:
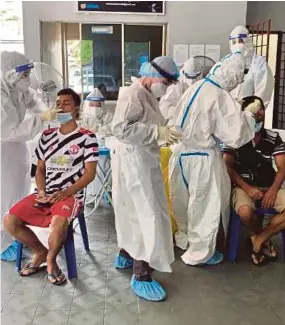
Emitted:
<point x="254" y="107"/>
<point x="49" y="114"/>
<point x="168" y="134"/>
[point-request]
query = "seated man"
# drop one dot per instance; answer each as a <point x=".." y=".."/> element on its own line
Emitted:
<point x="67" y="158"/>
<point x="255" y="181"/>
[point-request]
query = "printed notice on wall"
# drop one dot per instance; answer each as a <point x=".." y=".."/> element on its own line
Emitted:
<point x="213" y="52"/>
<point x="196" y="49"/>
<point x="180" y="53"/>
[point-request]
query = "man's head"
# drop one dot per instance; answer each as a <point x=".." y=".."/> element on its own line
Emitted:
<point x="254" y="105"/>
<point x="16" y="69"/>
<point x="158" y="74"/>
<point x="240" y="41"/>
<point x="69" y="102"/>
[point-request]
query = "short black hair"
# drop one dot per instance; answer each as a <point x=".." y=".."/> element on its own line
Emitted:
<point x="250" y="99"/>
<point x="69" y="91"/>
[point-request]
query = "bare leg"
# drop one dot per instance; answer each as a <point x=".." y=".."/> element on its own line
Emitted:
<point x="276" y="225"/>
<point x="56" y="240"/>
<point x="249" y="218"/>
<point x="25" y="235"/>
<point x="254" y="224"/>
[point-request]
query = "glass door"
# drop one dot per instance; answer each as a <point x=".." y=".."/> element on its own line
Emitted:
<point x="101" y="55"/>
<point x="141" y="44"/>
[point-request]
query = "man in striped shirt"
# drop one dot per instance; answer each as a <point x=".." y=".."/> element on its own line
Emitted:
<point x="255" y="181"/>
<point x="67" y="158"/>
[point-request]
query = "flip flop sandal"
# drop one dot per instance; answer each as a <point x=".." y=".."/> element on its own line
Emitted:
<point x="270" y="248"/>
<point x="258" y="256"/>
<point x="57" y="279"/>
<point x="31" y="269"/>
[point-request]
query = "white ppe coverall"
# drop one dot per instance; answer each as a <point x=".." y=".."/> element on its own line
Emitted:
<point x="259" y="81"/>
<point x="97" y="117"/>
<point x="16" y="129"/>
<point x="142" y="221"/>
<point x="189" y="74"/>
<point x="200" y="187"/>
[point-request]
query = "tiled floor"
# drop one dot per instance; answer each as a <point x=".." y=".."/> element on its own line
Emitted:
<point x="223" y="295"/>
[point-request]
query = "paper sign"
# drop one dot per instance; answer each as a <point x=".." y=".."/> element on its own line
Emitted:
<point x="196" y="49"/>
<point x="213" y="52"/>
<point x="180" y="53"/>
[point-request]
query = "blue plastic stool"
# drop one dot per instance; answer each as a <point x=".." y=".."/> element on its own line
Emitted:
<point x="234" y="233"/>
<point x="69" y="247"/>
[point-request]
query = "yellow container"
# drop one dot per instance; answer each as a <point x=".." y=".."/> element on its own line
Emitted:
<point x="165" y="154"/>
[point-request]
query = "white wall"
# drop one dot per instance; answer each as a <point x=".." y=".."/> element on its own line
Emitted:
<point x="188" y="22"/>
<point x="260" y="10"/>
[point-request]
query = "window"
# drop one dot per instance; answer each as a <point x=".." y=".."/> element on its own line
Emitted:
<point x="11" y="25"/>
<point x="99" y="55"/>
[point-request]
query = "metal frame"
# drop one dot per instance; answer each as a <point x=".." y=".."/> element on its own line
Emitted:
<point x="260" y="31"/>
<point x="279" y="96"/>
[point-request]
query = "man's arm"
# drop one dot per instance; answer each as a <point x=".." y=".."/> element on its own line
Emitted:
<point x="280" y="175"/>
<point x="236" y="179"/>
<point x="41" y="177"/>
<point x="270" y="196"/>
<point x="253" y="192"/>
<point x="82" y="182"/>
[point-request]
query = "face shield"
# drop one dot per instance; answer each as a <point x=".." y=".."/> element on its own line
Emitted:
<point x="240" y="41"/>
<point x="23" y="76"/>
<point x="162" y="72"/>
<point x="191" y="70"/>
<point x="94" y="104"/>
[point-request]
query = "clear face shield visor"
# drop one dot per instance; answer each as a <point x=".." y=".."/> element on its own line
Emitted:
<point x="24" y="71"/>
<point x="93" y="106"/>
<point x="236" y="40"/>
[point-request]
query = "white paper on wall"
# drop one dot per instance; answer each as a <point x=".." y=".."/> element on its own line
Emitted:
<point x="213" y="52"/>
<point x="196" y="49"/>
<point x="180" y="53"/>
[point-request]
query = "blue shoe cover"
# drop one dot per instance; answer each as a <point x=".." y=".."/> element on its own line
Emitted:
<point x="121" y="262"/>
<point x="10" y="253"/>
<point x="151" y="291"/>
<point x="217" y="258"/>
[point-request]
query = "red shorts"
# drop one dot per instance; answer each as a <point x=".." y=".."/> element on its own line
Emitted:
<point x="26" y="211"/>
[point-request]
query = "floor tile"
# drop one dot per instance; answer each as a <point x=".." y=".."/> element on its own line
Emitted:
<point x="58" y="317"/>
<point x="20" y="318"/>
<point x="18" y="303"/>
<point x="4" y="298"/>
<point x="227" y="294"/>
<point x="86" y="316"/>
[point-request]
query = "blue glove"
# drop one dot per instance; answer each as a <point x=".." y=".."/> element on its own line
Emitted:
<point x="151" y="291"/>
<point x="122" y="262"/>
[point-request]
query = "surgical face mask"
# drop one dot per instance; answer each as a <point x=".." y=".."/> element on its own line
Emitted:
<point x="240" y="47"/>
<point x="63" y="118"/>
<point x="258" y="126"/>
<point x="24" y="84"/>
<point x="158" y="89"/>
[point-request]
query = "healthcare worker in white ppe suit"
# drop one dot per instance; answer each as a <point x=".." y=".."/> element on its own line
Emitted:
<point x="189" y="74"/>
<point x="142" y="221"/>
<point x="258" y="80"/>
<point x="199" y="183"/>
<point x="17" y="127"/>
<point x="95" y="119"/>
